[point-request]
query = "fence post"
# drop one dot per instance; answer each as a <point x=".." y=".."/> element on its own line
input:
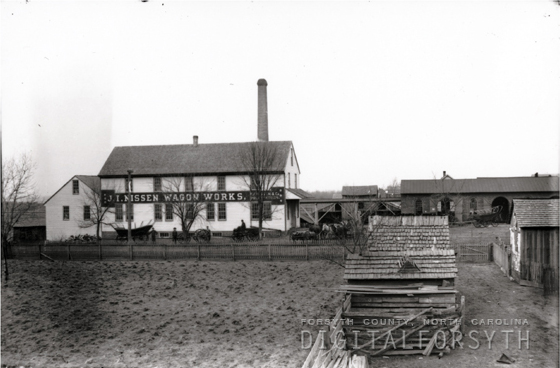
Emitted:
<point x="100" y="251"/>
<point x="306" y="253"/>
<point x="198" y="251"/>
<point x="490" y="252"/>
<point x="269" y="255"/>
<point x="343" y="254"/>
<point x="165" y="251"/>
<point x="68" y="250"/>
<point x="131" y="251"/>
<point x="233" y="251"/>
<point x="40" y="250"/>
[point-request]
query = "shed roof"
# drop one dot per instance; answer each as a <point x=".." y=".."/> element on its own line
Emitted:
<point x="481" y="185"/>
<point x="391" y="265"/>
<point x="359" y="190"/>
<point x="213" y="158"/>
<point x="537" y="212"/>
<point x="36" y="216"/>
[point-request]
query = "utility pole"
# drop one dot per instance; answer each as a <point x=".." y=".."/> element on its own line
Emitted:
<point x="128" y="212"/>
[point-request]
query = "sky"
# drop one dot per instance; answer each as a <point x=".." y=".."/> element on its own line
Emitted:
<point x="366" y="91"/>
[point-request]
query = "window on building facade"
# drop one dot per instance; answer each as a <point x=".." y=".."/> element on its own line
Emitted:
<point x="361" y="206"/>
<point x="222" y="215"/>
<point x="118" y="212"/>
<point x="221" y="183"/>
<point x="158" y="216"/>
<point x="168" y="212"/>
<point x="130" y="212"/>
<point x="418" y="207"/>
<point x="75" y="187"/>
<point x="87" y="213"/>
<point x="157" y="184"/>
<point x="66" y="213"/>
<point x="267" y="211"/>
<point x="189" y="187"/>
<point x="190" y="211"/>
<point x="210" y="211"/>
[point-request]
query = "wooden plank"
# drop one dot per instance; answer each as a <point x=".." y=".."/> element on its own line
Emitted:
<point x="438" y="299"/>
<point x="401" y="292"/>
<point x="312" y="354"/>
<point x="402" y="324"/>
<point x="358" y="306"/>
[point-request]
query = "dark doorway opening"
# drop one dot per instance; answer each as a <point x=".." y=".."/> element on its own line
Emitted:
<point x="504" y="215"/>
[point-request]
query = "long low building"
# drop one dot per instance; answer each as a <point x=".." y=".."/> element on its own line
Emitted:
<point x="461" y="198"/>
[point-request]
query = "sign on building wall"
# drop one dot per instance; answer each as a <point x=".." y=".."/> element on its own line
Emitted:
<point x="110" y="198"/>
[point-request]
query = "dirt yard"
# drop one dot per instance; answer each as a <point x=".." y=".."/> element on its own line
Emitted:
<point x="228" y="314"/>
<point x="237" y="314"/>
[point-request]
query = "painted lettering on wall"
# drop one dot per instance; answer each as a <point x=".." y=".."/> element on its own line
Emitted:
<point x="110" y="198"/>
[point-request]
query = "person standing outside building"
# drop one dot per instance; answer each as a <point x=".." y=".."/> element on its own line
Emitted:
<point x="175" y="235"/>
<point x="154" y="233"/>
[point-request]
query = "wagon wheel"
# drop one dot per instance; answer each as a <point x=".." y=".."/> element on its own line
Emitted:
<point x="202" y="236"/>
<point x="252" y="237"/>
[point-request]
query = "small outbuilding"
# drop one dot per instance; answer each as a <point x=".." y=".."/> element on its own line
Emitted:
<point x="534" y="241"/>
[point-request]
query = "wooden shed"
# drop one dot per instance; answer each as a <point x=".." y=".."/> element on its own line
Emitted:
<point x="407" y="274"/>
<point x="534" y="240"/>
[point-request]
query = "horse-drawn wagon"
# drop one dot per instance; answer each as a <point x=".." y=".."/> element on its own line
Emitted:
<point x="487" y="217"/>
<point x="248" y="234"/>
<point x="139" y="233"/>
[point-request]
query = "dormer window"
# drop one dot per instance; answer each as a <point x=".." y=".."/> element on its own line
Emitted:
<point x="75" y="187"/>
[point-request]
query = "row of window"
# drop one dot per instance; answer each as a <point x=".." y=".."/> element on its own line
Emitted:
<point x="190" y="211"/>
<point x="66" y="213"/>
<point x="418" y="205"/>
<point x="189" y="186"/>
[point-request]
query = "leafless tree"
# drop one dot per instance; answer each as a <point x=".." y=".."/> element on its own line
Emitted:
<point x="265" y="167"/>
<point x="98" y="213"/>
<point x="186" y="204"/>
<point x="18" y="196"/>
<point x="447" y="195"/>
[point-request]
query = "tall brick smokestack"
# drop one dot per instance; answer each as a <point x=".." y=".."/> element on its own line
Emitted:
<point x="262" y="133"/>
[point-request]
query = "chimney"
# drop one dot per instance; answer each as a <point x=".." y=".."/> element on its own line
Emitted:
<point x="444" y="174"/>
<point x="195" y="140"/>
<point x="262" y="133"/>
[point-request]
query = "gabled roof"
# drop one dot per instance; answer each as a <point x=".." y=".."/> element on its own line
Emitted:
<point x="36" y="216"/>
<point x="537" y="212"/>
<point x="91" y="181"/>
<point x="200" y="159"/>
<point x="481" y="185"/>
<point x="359" y="190"/>
<point x="401" y="233"/>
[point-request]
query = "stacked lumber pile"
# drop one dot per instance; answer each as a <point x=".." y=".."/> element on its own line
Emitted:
<point x="402" y="319"/>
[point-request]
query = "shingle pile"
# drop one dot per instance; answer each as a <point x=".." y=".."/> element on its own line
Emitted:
<point x="408" y="232"/>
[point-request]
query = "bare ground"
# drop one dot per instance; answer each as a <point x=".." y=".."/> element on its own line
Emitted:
<point x="233" y="314"/>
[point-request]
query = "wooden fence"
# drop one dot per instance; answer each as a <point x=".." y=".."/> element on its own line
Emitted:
<point x="232" y="251"/>
<point x="473" y="252"/>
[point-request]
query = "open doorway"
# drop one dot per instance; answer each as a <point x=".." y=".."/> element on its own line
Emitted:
<point x="504" y="215"/>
